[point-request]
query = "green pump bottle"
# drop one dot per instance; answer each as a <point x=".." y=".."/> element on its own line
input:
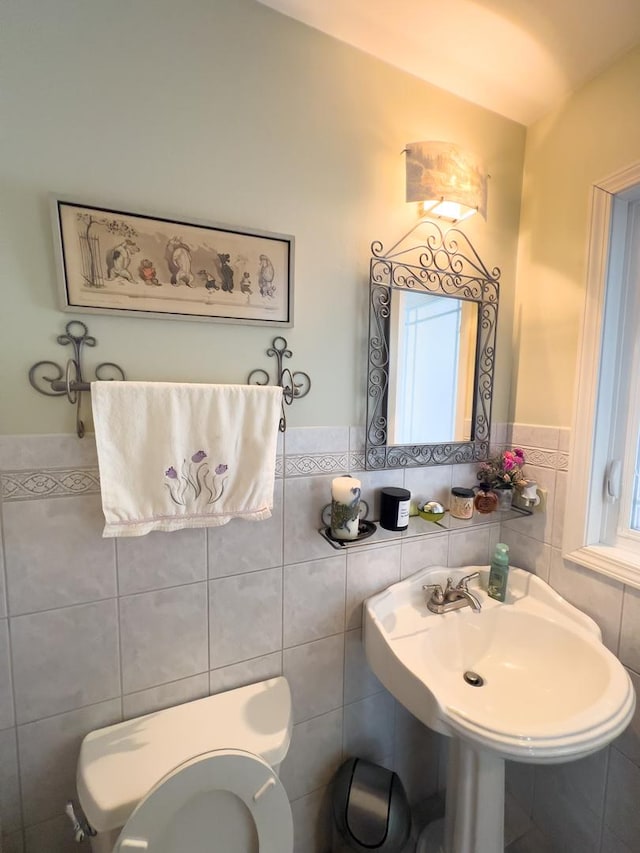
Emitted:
<point x="499" y="573"/>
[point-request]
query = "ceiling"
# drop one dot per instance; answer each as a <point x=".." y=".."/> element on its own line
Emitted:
<point x="519" y="58"/>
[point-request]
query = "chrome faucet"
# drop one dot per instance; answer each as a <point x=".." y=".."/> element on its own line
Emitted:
<point x="453" y="597"/>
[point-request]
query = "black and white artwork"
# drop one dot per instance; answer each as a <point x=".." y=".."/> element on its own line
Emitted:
<point x="130" y="263"/>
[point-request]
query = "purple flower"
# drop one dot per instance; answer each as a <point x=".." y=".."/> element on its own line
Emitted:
<point x="220" y="469"/>
<point x="199" y="456"/>
<point x="171" y="473"/>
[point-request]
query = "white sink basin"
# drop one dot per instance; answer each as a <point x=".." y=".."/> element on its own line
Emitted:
<point x="551" y="691"/>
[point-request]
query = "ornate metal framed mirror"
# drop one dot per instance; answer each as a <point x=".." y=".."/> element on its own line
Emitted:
<point x="433" y="310"/>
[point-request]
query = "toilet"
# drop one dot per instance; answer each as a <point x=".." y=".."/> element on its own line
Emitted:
<point x="197" y="777"/>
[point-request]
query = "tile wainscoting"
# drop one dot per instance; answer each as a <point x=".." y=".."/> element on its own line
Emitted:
<point x="87" y="628"/>
<point x="587" y="806"/>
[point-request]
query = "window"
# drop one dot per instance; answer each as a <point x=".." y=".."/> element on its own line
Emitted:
<point x="602" y="524"/>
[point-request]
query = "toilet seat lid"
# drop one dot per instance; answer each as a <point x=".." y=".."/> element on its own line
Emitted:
<point x="180" y="811"/>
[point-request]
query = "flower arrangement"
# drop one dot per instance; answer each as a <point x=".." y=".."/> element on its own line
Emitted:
<point x="504" y="469"/>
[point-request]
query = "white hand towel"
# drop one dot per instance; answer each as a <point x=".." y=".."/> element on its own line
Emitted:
<point x="173" y="456"/>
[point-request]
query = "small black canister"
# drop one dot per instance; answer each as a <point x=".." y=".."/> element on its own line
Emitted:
<point x="394" y="508"/>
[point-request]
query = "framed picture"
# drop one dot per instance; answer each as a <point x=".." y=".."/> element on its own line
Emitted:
<point x="133" y="264"/>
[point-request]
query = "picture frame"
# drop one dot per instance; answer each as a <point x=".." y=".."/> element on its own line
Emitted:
<point x="131" y="263"/>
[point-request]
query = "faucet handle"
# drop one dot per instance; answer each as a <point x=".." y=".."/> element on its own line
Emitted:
<point x="437" y="593"/>
<point x="462" y="583"/>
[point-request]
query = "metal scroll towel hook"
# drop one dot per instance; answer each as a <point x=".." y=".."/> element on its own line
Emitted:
<point x="295" y="385"/>
<point x="73" y="384"/>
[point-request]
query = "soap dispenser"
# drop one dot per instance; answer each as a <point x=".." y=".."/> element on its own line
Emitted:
<point x="499" y="573"/>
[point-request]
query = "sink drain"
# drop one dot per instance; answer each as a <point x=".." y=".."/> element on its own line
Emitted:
<point x="473" y="678"/>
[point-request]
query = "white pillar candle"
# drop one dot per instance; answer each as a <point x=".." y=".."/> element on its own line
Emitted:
<point x="345" y="507"/>
<point x="341" y="489"/>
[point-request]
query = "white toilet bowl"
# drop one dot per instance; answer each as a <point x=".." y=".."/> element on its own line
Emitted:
<point x="197" y="777"/>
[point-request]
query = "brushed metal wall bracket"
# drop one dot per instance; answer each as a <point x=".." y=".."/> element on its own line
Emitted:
<point x="48" y="378"/>
<point x="295" y="385"/>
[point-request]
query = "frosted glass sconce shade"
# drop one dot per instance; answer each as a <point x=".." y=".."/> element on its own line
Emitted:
<point x="449" y="182"/>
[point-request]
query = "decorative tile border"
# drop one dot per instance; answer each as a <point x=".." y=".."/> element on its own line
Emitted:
<point x="356" y="461"/>
<point x="307" y="464"/>
<point x="60" y="483"/>
<point x="56" y="483"/>
<point x="544" y="458"/>
<point x="43" y="482"/>
<point x="557" y="459"/>
<point x="540" y="457"/>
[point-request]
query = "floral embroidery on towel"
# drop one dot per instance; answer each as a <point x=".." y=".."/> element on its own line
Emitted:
<point x="196" y="484"/>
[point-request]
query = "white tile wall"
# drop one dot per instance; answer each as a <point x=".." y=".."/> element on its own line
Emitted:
<point x="234" y="548"/>
<point x="359" y="680"/>
<point x="3" y="597"/>
<point x="314" y="755"/>
<point x="95" y="630"/>
<point x="163" y="636"/>
<point x="245" y="672"/>
<point x="567" y="802"/>
<point x="147" y="563"/>
<point x="43" y="572"/>
<point x="65" y="659"/>
<point x="369" y="571"/>
<point x="312" y="821"/>
<point x="314" y="599"/>
<point x="612" y="844"/>
<point x="165" y="695"/>
<point x="621" y="813"/>
<point x="245" y="616"/>
<point x="598" y="596"/>
<point x="368" y="730"/>
<point x="7" y="718"/>
<point x="48" y="752"/>
<point x="9" y="782"/>
<point x="315" y="672"/>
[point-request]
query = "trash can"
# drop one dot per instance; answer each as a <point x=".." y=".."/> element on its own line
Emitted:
<point x="370" y="807"/>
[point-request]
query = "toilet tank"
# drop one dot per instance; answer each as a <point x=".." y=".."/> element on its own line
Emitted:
<point x="118" y="765"/>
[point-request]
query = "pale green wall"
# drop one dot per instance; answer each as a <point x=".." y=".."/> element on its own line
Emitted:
<point x="596" y="133"/>
<point x="226" y="111"/>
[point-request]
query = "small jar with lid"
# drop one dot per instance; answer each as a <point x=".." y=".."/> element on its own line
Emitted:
<point x="486" y="500"/>
<point x="461" y="505"/>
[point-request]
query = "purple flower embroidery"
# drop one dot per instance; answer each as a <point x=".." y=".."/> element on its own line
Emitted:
<point x="195" y="484"/>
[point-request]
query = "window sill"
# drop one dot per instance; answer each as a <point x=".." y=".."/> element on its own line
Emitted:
<point x="616" y="563"/>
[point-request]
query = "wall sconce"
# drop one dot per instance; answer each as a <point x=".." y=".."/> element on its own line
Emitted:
<point x="449" y="182"/>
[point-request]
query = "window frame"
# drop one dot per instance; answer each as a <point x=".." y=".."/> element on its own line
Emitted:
<point x="589" y="459"/>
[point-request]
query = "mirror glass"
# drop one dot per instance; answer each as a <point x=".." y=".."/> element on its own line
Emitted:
<point x="432" y="324"/>
<point x="433" y="345"/>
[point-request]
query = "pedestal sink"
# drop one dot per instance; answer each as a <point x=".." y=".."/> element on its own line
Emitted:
<point x="528" y="679"/>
